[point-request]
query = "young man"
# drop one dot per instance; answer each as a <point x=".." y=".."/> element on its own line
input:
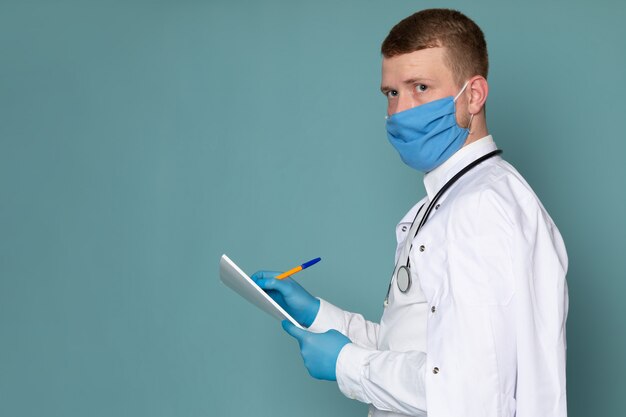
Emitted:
<point x="474" y="323"/>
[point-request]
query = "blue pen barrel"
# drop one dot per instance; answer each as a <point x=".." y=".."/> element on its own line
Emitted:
<point x="311" y="262"/>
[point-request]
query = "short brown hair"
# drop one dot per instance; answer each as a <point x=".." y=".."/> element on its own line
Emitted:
<point x="466" y="49"/>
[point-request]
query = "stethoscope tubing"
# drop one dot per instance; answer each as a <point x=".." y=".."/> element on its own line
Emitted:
<point x="432" y="204"/>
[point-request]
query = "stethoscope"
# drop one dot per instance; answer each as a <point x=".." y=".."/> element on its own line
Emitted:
<point x="402" y="273"/>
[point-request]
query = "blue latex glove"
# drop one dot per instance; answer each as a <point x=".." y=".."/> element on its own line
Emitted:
<point x="290" y="295"/>
<point x="319" y="350"/>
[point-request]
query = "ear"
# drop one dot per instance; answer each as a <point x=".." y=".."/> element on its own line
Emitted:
<point x="478" y="91"/>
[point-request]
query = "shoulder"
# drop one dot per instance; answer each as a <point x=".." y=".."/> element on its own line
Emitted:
<point x="495" y="197"/>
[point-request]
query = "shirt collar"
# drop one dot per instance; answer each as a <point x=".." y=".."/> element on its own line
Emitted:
<point x="435" y="179"/>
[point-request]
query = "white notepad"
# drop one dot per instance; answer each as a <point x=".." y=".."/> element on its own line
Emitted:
<point x="242" y="284"/>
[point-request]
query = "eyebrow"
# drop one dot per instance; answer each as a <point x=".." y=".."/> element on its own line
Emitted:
<point x="416" y="79"/>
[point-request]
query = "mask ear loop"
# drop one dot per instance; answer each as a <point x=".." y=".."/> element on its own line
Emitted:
<point x="469" y="125"/>
<point x="461" y="92"/>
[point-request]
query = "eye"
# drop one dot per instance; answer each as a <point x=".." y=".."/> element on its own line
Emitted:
<point x="420" y="88"/>
<point x="391" y="93"/>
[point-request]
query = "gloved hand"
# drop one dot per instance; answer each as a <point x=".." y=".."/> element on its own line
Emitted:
<point x="319" y="350"/>
<point x="290" y="295"/>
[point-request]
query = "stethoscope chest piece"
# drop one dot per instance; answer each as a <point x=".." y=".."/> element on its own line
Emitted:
<point x="403" y="279"/>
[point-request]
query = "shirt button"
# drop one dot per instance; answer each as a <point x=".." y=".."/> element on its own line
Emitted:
<point x="437" y="206"/>
<point x="433" y="309"/>
<point x="435" y="370"/>
<point x="422" y="248"/>
<point x="404" y="228"/>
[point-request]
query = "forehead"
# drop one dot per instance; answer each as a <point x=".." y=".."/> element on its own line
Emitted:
<point x="425" y="63"/>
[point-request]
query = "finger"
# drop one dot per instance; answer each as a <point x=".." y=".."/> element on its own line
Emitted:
<point x="263" y="274"/>
<point x="295" y="332"/>
<point x="271" y="284"/>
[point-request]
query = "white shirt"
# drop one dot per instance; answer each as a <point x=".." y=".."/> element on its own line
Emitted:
<point x="481" y="331"/>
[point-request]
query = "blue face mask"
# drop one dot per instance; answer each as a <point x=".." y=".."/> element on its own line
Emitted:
<point x="427" y="135"/>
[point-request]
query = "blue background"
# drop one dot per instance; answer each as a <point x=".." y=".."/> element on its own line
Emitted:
<point x="140" y="140"/>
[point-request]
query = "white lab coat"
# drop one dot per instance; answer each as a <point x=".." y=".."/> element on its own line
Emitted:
<point x="482" y="334"/>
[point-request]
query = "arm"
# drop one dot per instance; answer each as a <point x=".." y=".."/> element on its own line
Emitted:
<point x="317" y="315"/>
<point x="362" y="332"/>
<point x="391" y="381"/>
<point x="541" y="314"/>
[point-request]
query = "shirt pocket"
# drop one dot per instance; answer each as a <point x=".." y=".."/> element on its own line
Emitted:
<point x="480" y="270"/>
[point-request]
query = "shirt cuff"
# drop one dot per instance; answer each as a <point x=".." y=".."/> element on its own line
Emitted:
<point x="328" y="317"/>
<point x="350" y="369"/>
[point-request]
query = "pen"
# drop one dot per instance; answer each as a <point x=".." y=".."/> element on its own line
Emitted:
<point x="298" y="268"/>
